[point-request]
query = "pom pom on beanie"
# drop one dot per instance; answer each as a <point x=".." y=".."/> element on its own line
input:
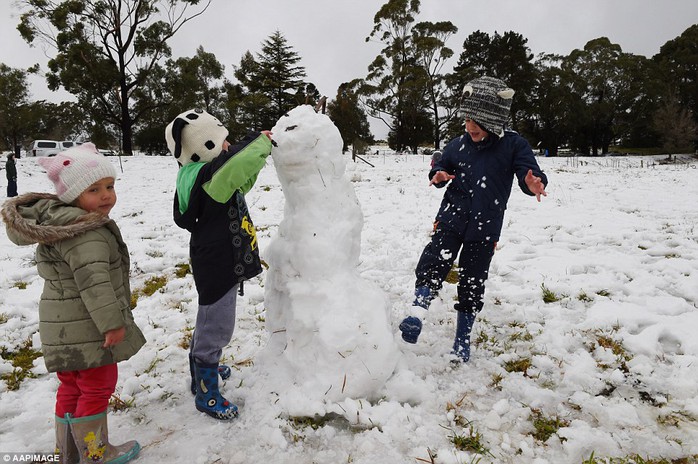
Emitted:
<point x="74" y="170"/>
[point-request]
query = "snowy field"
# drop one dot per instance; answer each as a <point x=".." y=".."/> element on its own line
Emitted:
<point x="606" y="363"/>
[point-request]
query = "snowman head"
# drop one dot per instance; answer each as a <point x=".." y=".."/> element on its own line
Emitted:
<point x="303" y="136"/>
<point x="195" y="136"/>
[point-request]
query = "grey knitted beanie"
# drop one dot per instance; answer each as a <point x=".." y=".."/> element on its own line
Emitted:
<point x="487" y="101"/>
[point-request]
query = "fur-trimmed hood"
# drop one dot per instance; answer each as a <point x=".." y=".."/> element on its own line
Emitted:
<point x="42" y="218"/>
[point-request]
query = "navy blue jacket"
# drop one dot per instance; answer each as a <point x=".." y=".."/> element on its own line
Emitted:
<point x="475" y="200"/>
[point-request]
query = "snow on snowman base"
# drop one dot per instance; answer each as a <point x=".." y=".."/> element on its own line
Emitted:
<point x="330" y="337"/>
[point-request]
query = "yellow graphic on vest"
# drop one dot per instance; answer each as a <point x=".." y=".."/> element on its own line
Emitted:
<point x="248" y="227"/>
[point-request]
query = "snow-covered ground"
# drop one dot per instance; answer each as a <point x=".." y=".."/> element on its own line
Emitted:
<point x="612" y="364"/>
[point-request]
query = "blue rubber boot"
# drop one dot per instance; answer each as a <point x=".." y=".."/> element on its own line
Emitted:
<point x="464" y="325"/>
<point x="223" y="370"/>
<point x="422" y="297"/>
<point x="411" y="326"/>
<point x="208" y="398"/>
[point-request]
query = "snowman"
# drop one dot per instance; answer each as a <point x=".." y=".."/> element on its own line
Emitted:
<point x="330" y="336"/>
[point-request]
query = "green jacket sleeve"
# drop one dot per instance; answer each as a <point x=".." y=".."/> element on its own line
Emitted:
<point x="239" y="171"/>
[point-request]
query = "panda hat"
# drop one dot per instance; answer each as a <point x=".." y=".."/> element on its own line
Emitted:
<point x="195" y="136"/>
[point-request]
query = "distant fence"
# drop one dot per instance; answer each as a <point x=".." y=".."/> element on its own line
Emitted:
<point x="679" y="161"/>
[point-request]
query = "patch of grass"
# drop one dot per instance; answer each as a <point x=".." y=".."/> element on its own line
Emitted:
<point x="4" y="318"/>
<point x="117" y="404"/>
<point x="472" y="442"/>
<point x="20" y="285"/>
<point x="182" y="270"/>
<point x="150" y="286"/>
<point x="549" y="296"/>
<point x="497" y="381"/>
<point x="518" y="365"/>
<point x="153" y="284"/>
<point x="637" y="459"/>
<point x="604" y="292"/>
<point x="546" y="427"/>
<point x="584" y="297"/>
<point x="155" y="254"/>
<point x="152" y="366"/>
<point x="453" y="276"/>
<point x="22" y="361"/>
<point x="524" y="336"/>
<point x="607" y="340"/>
<point x="303" y="422"/>
<point x="185" y="342"/>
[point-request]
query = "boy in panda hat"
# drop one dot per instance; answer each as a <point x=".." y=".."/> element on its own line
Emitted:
<point x="209" y="202"/>
<point x="481" y="165"/>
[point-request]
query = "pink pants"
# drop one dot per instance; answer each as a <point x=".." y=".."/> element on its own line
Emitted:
<point x="85" y="392"/>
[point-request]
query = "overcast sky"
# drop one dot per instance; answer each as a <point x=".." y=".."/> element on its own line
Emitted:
<point x="329" y="34"/>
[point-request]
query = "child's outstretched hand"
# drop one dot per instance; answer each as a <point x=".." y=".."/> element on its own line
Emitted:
<point x="535" y="185"/>
<point x="114" y="337"/>
<point x="441" y="176"/>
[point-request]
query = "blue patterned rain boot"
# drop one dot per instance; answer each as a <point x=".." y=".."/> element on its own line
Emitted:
<point x="208" y="398"/>
<point x="464" y="325"/>
<point x="223" y="370"/>
<point x="411" y="326"/>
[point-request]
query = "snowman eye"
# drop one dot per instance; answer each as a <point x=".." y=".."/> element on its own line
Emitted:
<point x="290" y="128"/>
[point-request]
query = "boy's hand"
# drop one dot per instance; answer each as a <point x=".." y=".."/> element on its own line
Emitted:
<point x="441" y="176"/>
<point x="114" y="337"/>
<point x="268" y="133"/>
<point x="535" y="185"/>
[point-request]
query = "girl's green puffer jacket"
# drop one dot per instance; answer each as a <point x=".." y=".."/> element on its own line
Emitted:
<point x="85" y="267"/>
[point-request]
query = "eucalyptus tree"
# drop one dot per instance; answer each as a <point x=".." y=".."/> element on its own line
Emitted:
<point x="347" y="114"/>
<point x="429" y="40"/>
<point x="105" y="50"/>
<point x="552" y="106"/>
<point x="178" y="85"/>
<point x="679" y="60"/>
<point x="393" y="90"/>
<point x="14" y="98"/>
<point x="602" y="77"/>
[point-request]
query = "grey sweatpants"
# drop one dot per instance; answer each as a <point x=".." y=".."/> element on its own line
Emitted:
<point x="214" y="328"/>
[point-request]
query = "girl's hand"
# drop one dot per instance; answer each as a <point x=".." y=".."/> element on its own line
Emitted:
<point x="535" y="185"/>
<point x="267" y="133"/>
<point x="441" y="176"/>
<point x="114" y="337"/>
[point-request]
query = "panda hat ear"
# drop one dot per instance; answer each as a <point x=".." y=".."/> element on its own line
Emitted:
<point x="177" y="126"/>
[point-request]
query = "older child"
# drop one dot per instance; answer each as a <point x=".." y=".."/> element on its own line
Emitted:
<point x="480" y="165"/>
<point x="209" y="202"/>
<point x="85" y="321"/>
